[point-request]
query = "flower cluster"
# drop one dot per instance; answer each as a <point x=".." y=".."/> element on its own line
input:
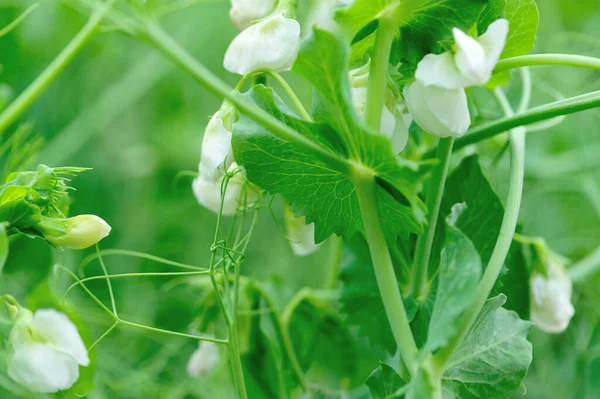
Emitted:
<point x="437" y="99"/>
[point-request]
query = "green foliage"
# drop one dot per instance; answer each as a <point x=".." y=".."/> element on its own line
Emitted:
<point x="3" y="247"/>
<point x="323" y="195"/>
<point x="459" y="274"/>
<point x="385" y="383"/>
<point x="493" y="358"/>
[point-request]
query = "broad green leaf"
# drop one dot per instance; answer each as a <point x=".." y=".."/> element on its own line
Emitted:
<point x="523" y="19"/>
<point x="324" y="346"/>
<point x="483" y="218"/>
<point x="385" y="383"/>
<point x="323" y="195"/>
<point x="460" y="272"/>
<point x="493" y="358"/>
<point x="428" y="26"/>
<point x="481" y="225"/>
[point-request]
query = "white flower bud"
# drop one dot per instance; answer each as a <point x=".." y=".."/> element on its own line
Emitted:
<point x="272" y="43"/>
<point x="244" y="12"/>
<point x="46" y="351"/>
<point x="301" y="235"/>
<point x="78" y="232"/>
<point x="441" y="112"/>
<point x="322" y="12"/>
<point x="204" y="359"/>
<point x="359" y="101"/>
<point x="551" y="308"/>
<point x="215" y="162"/>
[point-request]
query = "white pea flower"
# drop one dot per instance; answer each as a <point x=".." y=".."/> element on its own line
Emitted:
<point x="271" y="43"/>
<point x="46" y="351"/>
<point x="78" y="232"/>
<point x="441" y="112"/>
<point x="437" y="99"/>
<point x="359" y="101"/>
<point x="244" y="12"/>
<point x="551" y="308"/>
<point x="300" y="234"/>
<point x="204" y="359"/>
<point x="216" y="160"/>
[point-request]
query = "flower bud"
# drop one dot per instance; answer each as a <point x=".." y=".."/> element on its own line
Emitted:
<point x="46" y="351"/>
<point x="441" y="112"/>
<point x="78" y="232"/>
<point x="204" y="360"/>
<point x="216" y="162"/>
<point x="550" y="291"/>
<point x="244" y="12"/>
<point x="301" y="235"/>
<point x="272" y="43"/>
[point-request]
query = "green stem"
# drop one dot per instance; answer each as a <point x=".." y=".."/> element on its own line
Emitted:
<point x="419" y="279"/>
<point x="365" y="186"/>
<point x="579" y="61"/>
<point x="378" y="72"/>
<point x="547" y="111"/>
<point x="507" y="230"/>
<point x="584" y="269"/>
<point x="39" y="85"/>
<point x="162" y="41"/>
<point x="336" y="245"/>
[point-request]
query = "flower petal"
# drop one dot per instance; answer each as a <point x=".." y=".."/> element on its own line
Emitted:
<point x="41" y="368"/>
<point x="217" y="154"/>
<point x="58" y="331"/>
<point x="438" y="111"/>
<point x="493" y="42"/>
<point x="470" y="58"/>
<point x="440" y="70"/>
<point x="244" y="12"/>
<point x="301" y="235"/>
<point x="551" y="308"/>
<point x="359" y="102"/>
<point x="272" y="43"/>
<point x="204" y="359"/>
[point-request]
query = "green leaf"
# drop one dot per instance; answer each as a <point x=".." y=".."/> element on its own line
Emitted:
<point x="360" y="299"/>
<point x="481" y="223"/>
<point x="323" y="195"/>
<point x="428" y="26"/>
<point x="385" y="383"/>
<point x="323" y="344"/>
<point x="460" y="272"/>
<point x="523" y="20"/>
<point x="492" y="359"/>
<point x="362" y="12"/>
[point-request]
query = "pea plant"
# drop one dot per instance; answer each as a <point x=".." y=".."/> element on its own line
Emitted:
<point x="431" y="273"/>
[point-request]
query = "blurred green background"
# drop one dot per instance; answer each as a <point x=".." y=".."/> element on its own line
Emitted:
<point x="128" y="113"/>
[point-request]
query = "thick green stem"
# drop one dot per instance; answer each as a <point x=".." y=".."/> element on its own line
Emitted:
<point x="419" y="282"/>
<point x="548" y="111"/>
<point x="378" y="72"/>
<point x="507" y="231"/>
<point x="173" y="50"/>
<point x="39" y="85"/>
<point x="365" y="186"/>
<point x="579" y="61"/>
